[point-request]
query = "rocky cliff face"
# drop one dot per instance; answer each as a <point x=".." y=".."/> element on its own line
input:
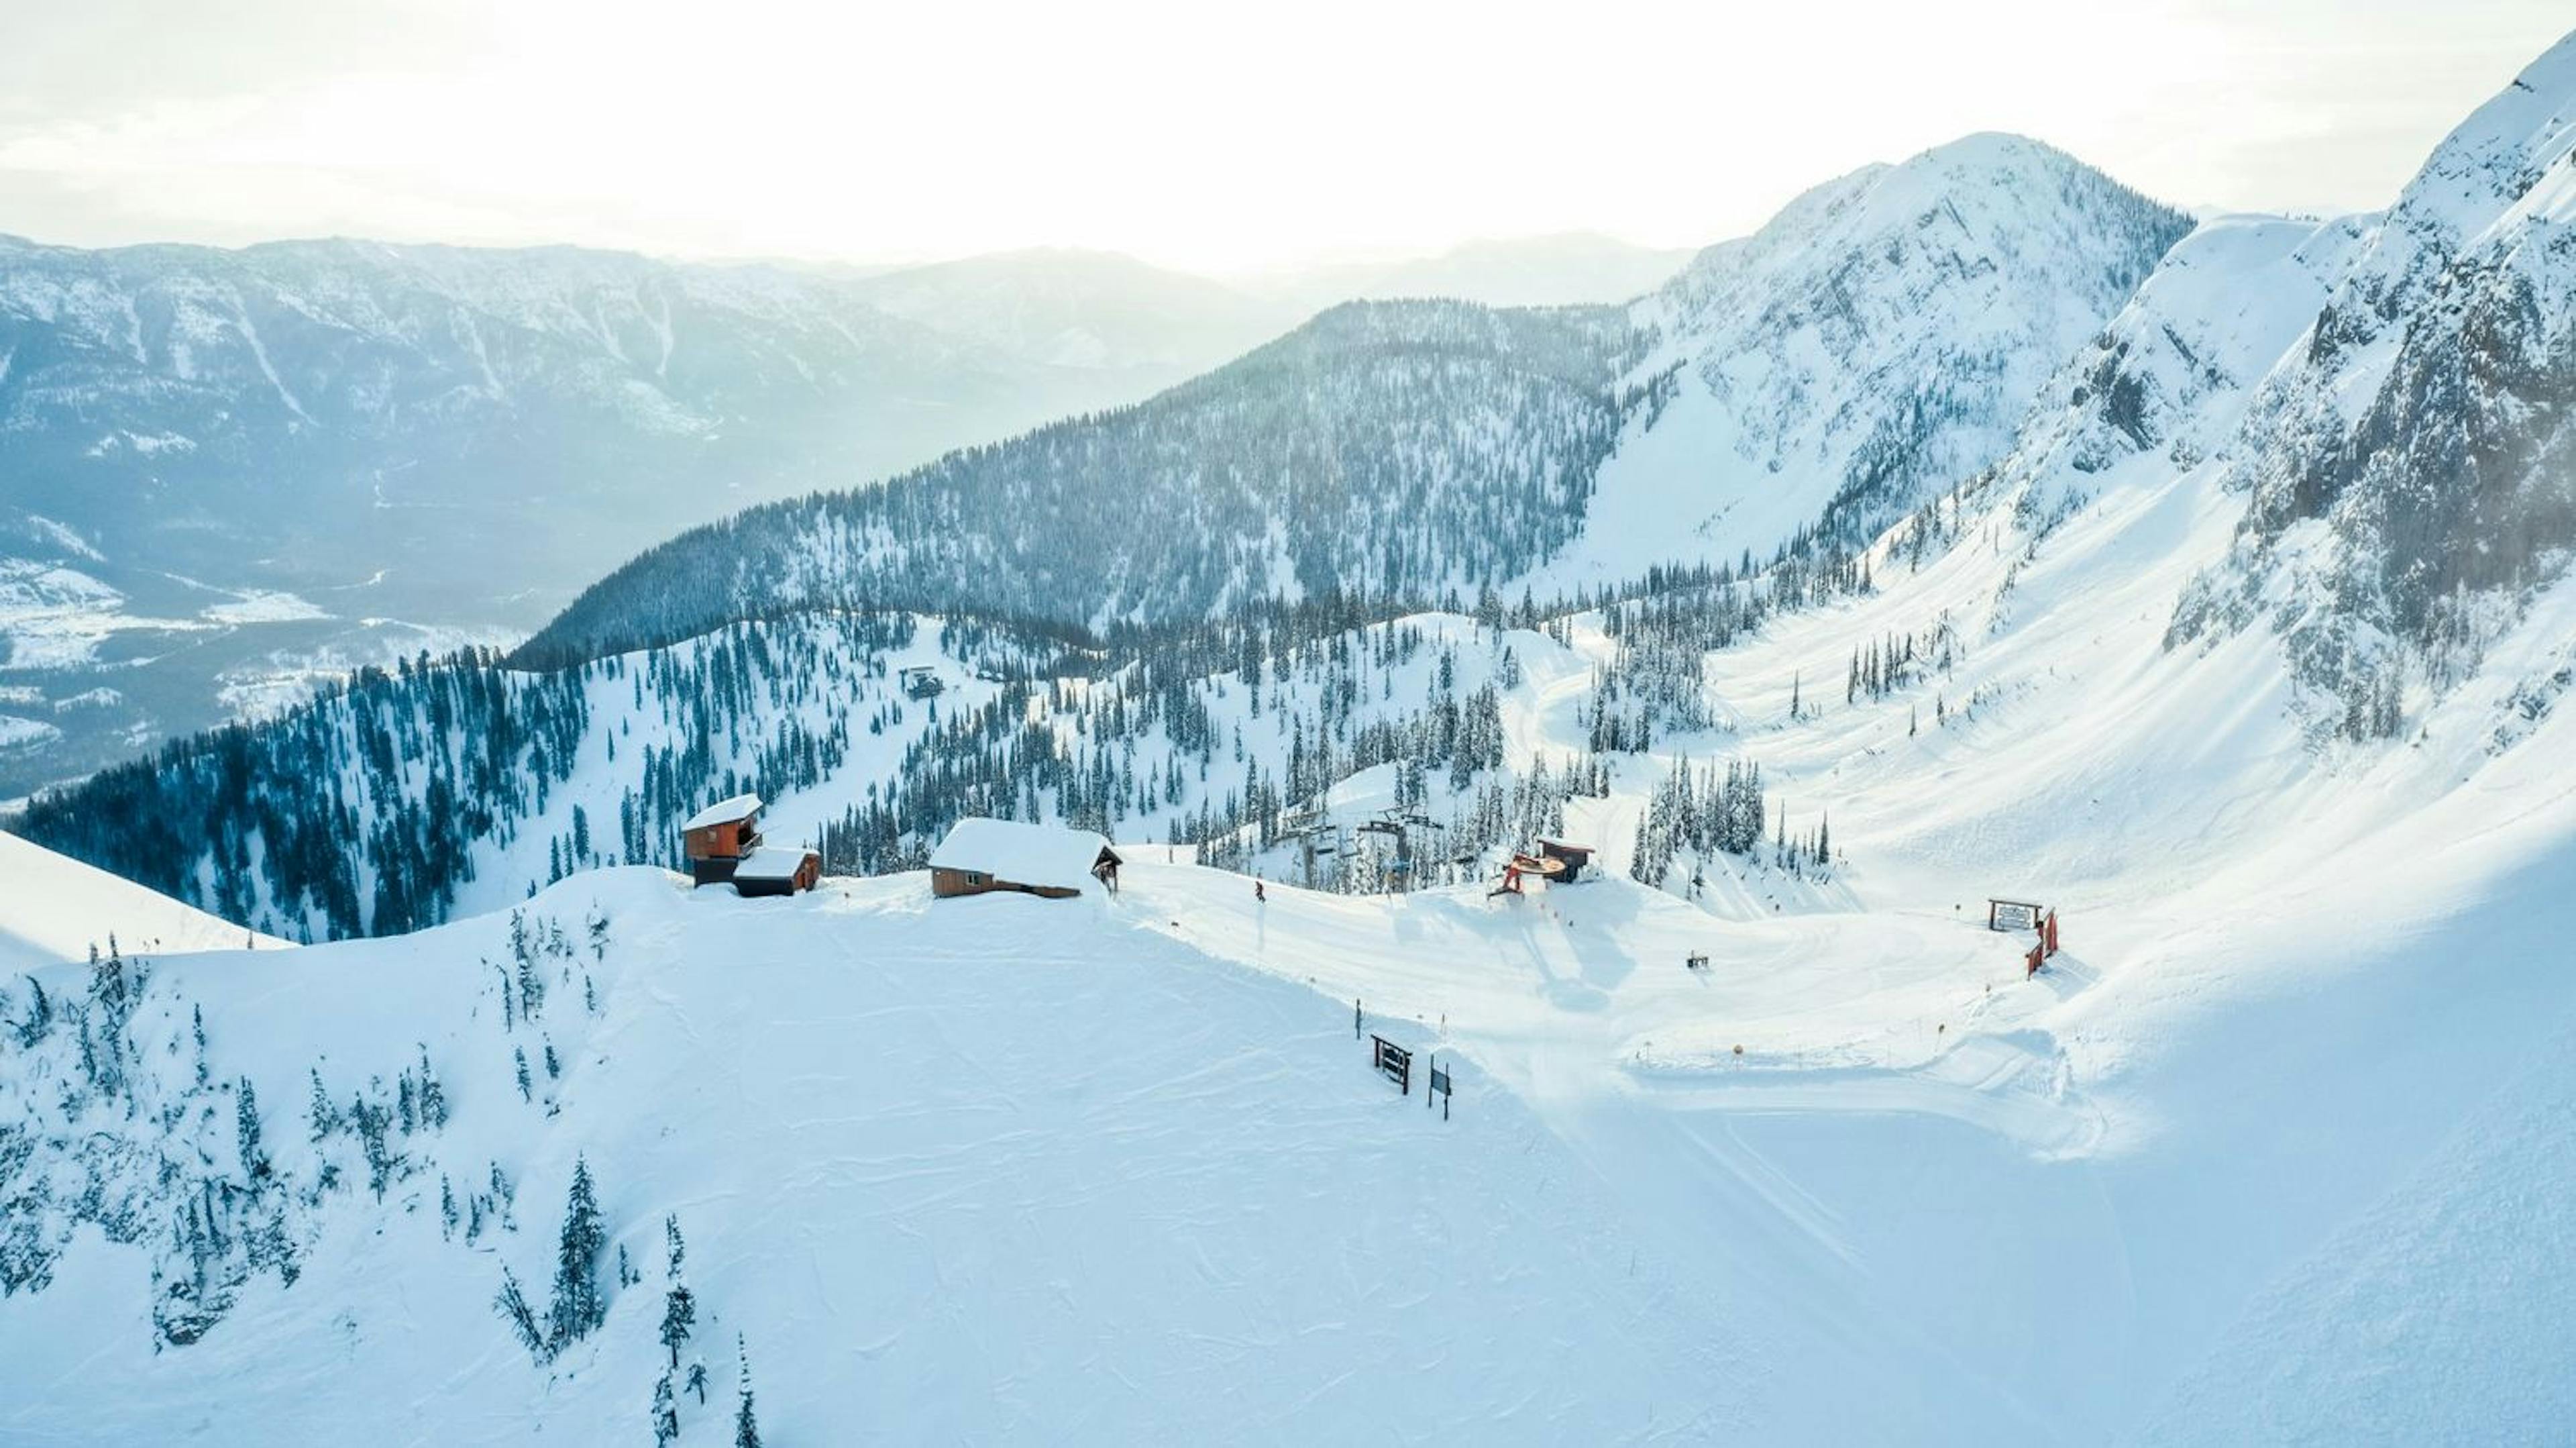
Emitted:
<point x="2411" y="463"/>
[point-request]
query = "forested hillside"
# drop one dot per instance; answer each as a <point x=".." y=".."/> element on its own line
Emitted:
<point x="1383" y="449"/>
<point x="462" y="783"/>
<point x="1873" y="344"/>
<point x="231" y="471"/>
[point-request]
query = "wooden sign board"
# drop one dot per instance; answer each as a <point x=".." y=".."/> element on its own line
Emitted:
<point x="1394" y="1063"/>
<point x="2012" y="915"/>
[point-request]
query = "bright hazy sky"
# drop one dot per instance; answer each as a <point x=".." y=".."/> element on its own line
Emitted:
<point x="1206" y="135"/>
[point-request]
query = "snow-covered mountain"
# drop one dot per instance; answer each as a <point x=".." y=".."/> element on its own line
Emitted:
<point x="1877" y="340"/>
<point x="332" y="408"/>
<point x="2280" y="1138"/>
<point x="248" y="469"/>
<point x="1569" y="269"/>
<point x="1383" y="448"/>
<point x="1760" y="1131"/>
<point x="1090" y="310"/>
<point x="230" y="471"/>
<point x="2411" y="463"/>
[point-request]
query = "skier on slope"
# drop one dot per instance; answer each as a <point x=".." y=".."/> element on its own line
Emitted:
<point x="1260" y="892"/>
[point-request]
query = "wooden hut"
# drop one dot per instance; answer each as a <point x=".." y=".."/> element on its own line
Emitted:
<point x="720" y="837"/>
<point x="1574" y="858"/>
<point x="771" y="870"/>
<point x="981" y="856"/>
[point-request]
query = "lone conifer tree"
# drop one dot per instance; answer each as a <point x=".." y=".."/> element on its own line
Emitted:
<point x="326" y="1117"/>
<point x="578" y="1306"/>
<point x="513" y="1305"/>
<point x="254" y="1157"/>
<point x="679" y="1314"/>
<point x="746" y="1427"/>
<point x="666" y="1412"/>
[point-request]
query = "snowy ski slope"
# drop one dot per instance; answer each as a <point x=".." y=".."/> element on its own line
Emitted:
<point x="58" y="909"/>
<point x="2278" y="1149"/>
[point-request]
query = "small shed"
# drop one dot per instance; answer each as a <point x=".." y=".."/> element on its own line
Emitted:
<point x="720" y="837"/>
<point x="771" y="870"/>
<point x="921" y="681"/>
<point x="1575" y="859"/>
<point x="980" y="856"/>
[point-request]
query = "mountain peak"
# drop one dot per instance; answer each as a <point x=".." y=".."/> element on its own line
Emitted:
<point x="1989" y="185"/>
<point x="1992" y="150"/>
<point x="2499" y="155"/>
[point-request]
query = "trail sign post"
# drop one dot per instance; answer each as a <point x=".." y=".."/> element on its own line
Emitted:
<point x="2012" y="915"/>
<point x="1439" y="1086"/>
<point x="1394" y="1063"/>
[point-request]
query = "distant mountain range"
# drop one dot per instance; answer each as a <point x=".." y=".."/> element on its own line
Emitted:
<point x="234" y="470"/>
<point x="1876" y="341"/>
<point x="1570" y="269"/>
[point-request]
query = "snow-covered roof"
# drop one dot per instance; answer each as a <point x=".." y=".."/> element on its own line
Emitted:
<point x="1023" y="854"/>
<point x="741" y="806"/>
<point x="770" y="862"/>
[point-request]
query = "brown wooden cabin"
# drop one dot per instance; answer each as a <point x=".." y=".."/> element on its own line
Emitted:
<point x="1574" y="858"/>
<point x="720" y="837"/>
<point x="981" y="856"/>
<point x="771" y="870"/>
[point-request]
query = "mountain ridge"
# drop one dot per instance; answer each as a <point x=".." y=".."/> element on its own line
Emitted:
<point x="854" y="546"/>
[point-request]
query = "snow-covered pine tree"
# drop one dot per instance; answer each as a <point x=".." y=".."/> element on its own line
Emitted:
<point x="432" y="1095"/>
<point x="666" y="1412"/>
<point x="679" y="1315"/>
<point x="254" y="1155"/>
<point x="679" y="1306"/>
<point x="514" y="1309"/>
<point x="325" y="1116"/>
<point x="578" y="1306"/>
<point x="746" y="1424"/>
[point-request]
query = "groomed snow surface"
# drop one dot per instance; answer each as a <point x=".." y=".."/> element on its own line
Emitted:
<point x="2290" y="1165"/>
